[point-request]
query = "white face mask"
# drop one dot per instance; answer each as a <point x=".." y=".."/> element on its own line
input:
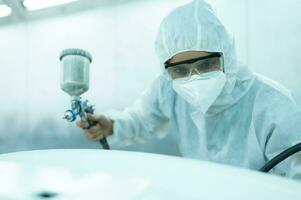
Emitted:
<point x="201" y="91"/>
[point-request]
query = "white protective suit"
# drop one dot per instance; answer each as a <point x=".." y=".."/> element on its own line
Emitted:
<point x="252" y="120"/>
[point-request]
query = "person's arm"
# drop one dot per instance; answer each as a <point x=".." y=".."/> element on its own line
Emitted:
<point x="148" y="117"/>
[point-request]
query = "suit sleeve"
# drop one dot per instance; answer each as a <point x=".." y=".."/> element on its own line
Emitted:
<point x="148" y="117"/>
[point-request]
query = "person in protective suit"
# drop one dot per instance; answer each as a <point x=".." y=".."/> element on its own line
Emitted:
<point x="219" y="110"/>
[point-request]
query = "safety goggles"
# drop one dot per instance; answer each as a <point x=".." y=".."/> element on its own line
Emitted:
<point x="200" y="66"/>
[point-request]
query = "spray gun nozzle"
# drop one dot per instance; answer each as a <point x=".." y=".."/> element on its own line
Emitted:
<point x="69" y="116"/>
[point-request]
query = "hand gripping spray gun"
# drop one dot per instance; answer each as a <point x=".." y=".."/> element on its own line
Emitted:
<point x="75" y="64"/>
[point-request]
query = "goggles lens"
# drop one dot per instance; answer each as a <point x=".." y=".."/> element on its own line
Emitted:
<point x="199" y="66"/>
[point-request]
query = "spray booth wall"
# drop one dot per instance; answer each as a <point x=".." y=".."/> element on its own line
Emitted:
<point x="121" y="38"/>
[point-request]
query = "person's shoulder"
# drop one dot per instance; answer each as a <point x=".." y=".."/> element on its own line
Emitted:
<point x="271" y="95"/>
<point x="271" y="87"/>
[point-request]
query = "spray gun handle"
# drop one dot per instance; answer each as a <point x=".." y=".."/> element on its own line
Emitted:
<point x="81" y="108"/>
<point x="103" y="142"/>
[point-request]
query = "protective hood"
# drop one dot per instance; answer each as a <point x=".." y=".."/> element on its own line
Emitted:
<point x="195" y="27"/>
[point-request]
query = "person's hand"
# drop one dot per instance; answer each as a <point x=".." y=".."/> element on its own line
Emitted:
<point x="102" y="128"/>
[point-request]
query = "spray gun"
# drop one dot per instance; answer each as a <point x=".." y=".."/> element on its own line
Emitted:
<point x="75" y="65"/>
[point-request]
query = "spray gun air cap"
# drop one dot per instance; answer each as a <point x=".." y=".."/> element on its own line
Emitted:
<point x="75" y="69"/>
